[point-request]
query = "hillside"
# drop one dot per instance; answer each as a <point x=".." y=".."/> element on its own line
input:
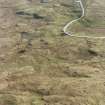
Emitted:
<point x="40" y="65"/>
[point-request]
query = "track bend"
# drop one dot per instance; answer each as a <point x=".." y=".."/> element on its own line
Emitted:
<point x="73" y="21"/>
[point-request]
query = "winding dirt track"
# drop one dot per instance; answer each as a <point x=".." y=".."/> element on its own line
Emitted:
<point x="73" y="21"/>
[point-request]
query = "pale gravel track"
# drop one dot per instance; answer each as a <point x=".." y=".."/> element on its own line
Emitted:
<point x="71" y="22"/>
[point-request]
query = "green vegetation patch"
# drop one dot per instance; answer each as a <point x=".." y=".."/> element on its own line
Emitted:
<point x="87" y="22"/>
<point x="8" y="100"/>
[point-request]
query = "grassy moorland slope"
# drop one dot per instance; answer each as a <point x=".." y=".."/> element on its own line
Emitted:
<point x="39" y="65"/>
